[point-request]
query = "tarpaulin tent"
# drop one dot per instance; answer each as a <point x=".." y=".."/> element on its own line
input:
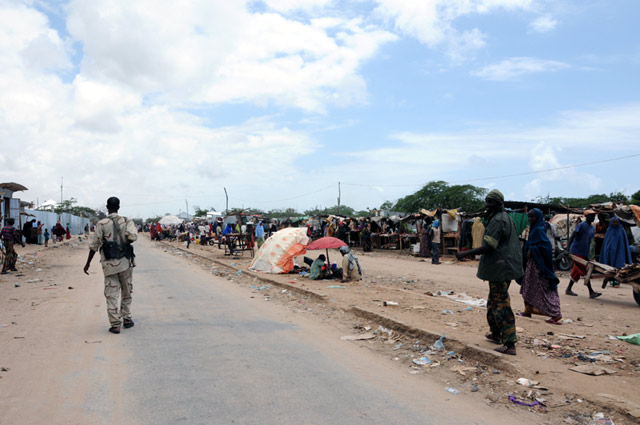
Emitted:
<point x="278" y="252"/>
<point x="169" y="220"/>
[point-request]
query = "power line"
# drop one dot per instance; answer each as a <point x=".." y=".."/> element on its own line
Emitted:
<point x="503" y="176"/>
<point x="549" y="169"/>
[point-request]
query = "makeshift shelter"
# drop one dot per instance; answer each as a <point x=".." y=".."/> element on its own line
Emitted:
<point x="169" y="220"/>
<point x="278" y="252"/>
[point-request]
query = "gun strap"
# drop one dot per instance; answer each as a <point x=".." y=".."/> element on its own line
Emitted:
<point x="116" y="230"/>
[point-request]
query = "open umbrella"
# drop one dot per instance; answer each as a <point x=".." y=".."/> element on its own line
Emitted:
<point x="326" y="243"/>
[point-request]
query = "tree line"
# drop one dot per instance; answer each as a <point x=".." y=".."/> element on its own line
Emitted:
<point x="433" y="195"/>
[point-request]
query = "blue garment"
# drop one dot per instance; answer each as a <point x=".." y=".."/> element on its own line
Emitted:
<point x="582" y="240"/>
<point x="615" y="248"/>
<point x="259" y="230"/>
<point x="541" y="249"/>
<point x="227" y="230"/>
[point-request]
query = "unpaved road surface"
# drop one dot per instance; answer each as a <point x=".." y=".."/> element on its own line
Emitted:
<point x="206" y="349"/>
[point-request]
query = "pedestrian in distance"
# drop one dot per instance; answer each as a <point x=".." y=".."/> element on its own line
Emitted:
<point x="615" y="249"/>
<point x="10" y="237"/>
<point x="579" y="245"/>
<point x="500" y="263"/>
<point x="113" y="237"/>
<point x="435" y="242"/>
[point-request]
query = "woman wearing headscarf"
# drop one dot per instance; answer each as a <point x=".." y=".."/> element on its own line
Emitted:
<point x="539" y="286"/>
<point x="350" y="266"/>
<point x="615" y="247"/>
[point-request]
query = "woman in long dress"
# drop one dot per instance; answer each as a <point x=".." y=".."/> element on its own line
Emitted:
<point x="540" y="284"/>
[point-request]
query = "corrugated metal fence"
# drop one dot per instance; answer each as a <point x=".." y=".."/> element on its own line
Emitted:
<point x="49" y="219"/>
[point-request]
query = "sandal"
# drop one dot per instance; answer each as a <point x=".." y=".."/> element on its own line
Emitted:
<point x="505" y="349"/>
<point x="554" y="321"/>
<point x="594" y="295"/>
<point x="522" y="314"/>
<point x="492" y="338"/>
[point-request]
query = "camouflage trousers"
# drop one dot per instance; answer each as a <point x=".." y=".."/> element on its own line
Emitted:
<point x="501" y="320"/>
<point x="11" y="256"/>
<point x="114" y="285"/>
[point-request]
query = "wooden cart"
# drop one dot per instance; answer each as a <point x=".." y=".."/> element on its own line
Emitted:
<point x="629" y="275"/>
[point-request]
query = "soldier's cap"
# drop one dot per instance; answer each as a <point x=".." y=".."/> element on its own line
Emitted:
<point x="113" y="202"/>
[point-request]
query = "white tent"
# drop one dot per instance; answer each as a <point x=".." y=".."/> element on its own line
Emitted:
<point x="278" y="252"/>
<point x="169" y="220"/>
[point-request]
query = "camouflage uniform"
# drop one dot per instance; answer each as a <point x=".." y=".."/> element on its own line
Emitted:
<point x="117" y="272"/>
<point x="499" y="266"/>
<point x="499" y="314"/>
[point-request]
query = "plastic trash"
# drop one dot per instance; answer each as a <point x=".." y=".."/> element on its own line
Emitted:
<point x="337" y="287"/>
<point x="423" y="361"/>
<point x="631" y="339"/>
<point x="439" y="345"/>
<point x="469" y="308"/>
<point x="239" y="273"/>
<point x="522" y="403"/>
<point x="452" y="390"/>
<point x="387" y="303"/>
<point x="447" y="312"/>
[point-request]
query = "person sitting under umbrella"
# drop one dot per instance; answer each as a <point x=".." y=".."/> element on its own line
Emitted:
<point x="350" y="266"/>
<point x="320" y="269"/>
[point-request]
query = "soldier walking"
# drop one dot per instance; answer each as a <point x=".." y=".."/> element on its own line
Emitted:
<point x="500" y="263"/>
<point x="113" y="237"/>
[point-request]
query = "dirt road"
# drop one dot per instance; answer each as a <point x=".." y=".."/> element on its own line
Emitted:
<point x="206" y="348"/>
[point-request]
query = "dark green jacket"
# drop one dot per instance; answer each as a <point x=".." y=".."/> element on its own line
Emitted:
<point x="504" y="261"/>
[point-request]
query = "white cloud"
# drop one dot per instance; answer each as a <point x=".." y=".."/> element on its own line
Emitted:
<point x="432" y="21"/>
<point x="543" y="23"/>
<point x="513" y="68"/>
<point x="26" y="41"/>
<point x="211" y="52"/>
<point x="293" y="5"/>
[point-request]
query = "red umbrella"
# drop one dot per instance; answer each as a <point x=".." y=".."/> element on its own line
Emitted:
<point x="326" y="243"/>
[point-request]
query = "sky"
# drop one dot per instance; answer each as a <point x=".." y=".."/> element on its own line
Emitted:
<point x="165" y="103"/>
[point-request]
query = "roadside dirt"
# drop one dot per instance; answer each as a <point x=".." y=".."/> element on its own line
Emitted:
<point x="406" y="331"/>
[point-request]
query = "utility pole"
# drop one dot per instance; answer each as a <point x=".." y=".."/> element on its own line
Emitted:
<point x="185" y="201"/>
<point x="226" y="211"/>
<point x="339" y="198"/>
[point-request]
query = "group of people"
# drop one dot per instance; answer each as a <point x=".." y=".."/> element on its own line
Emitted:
<point x="350" y="270"/>
<point x="36" y="233"/>
<point x="504" y="259"/>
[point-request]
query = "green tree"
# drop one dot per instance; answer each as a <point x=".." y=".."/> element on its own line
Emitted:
<point x="69" y="206"/>
<point x="200" y="213"/>
<point x="438" y="194"/>
<point x="635" y="198"/>
<point x="344" y="211"/>
<point x="283" y="213"/>
<point x="386" y="205"/>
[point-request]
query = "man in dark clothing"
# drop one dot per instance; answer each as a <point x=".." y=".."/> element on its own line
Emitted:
<point x="500" y="263"/>
<point x="10" y="236"/>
